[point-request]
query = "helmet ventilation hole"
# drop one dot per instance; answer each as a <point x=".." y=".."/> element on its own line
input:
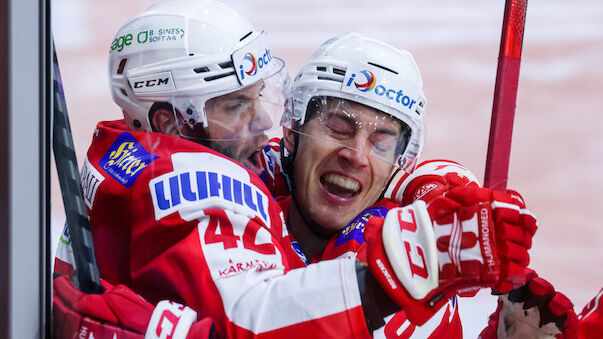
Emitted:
<point x="382" y="67"/>
<point x="245" y="36"/>
<point x="201" y="70"/>
<point x="122" y="64"/>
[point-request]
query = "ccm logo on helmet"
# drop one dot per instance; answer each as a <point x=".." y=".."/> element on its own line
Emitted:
<point x="371" y="85"/>
<point x="157" y="82"/>
<point x="256" y="63"/>
<point x="151" y="83"/>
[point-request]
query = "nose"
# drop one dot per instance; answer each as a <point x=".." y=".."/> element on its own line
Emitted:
<point x="357" y="153"/>
<point x="261" y="120"/>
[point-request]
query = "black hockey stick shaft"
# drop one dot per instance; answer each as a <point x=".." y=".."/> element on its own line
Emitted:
<point x="505" y="95"/>
<point x="88" y="278"/>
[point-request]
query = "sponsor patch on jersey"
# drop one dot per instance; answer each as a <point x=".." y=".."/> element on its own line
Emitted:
<point x="236" y="268"/>
<point x="91" y="179"/>
<point x="126" y="159"/>
<point x="193" y="186"/>
<point x="355" y="229"/>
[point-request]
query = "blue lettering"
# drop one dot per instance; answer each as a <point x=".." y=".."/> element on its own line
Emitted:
<point x="381" y="90"/>
<point x="226" y="188"/>
<point x="388" y="92"/>
<point x="238" y="194"/>
<point x="175" y="190"/>
<point x="400" y="94"/>
<point x="214" y="185"/>
<point x="411" y="103"/>
<point x="202" y="185"/>
<point x="241" y="72"/>
<point x="162" y="202"/>
<point x="351" y="79"/>
<point x="187" y="190"/>
<point x="249" y="198"/>
<point x="182" y="189"/>
<point x="260" y="202"/>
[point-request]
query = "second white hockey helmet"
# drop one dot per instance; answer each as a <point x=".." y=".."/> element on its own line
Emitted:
<point x="369" y="72"/>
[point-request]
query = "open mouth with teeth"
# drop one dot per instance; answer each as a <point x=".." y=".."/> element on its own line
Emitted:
<point x="340" y="185"/>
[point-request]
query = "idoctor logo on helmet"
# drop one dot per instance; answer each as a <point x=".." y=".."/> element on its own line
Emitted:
<point x="251" y="62"/>
<point x="368" y="85"/>
<point x="380" y="85"/>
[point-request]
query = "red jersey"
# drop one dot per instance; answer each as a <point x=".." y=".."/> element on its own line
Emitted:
<point x="446" y="323"/>
<point x="175" y="220"/>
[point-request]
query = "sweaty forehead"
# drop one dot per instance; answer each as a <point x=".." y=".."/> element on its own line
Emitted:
<point x="357" y="114"/>
<point x="249" y="92"/>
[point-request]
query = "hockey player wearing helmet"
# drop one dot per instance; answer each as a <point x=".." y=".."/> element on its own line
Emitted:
<point x="207" y="76"/>
<point x="226" y="275"/>
<point x="354" y="116"/>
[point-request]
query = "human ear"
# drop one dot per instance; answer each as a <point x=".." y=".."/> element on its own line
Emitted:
<point x="163" y="121"/>
<point x="289" y="139"/>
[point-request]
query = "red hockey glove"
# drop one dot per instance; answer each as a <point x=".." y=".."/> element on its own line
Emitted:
<point x="515" y="227"/>
<point x="591" y="318"/>
<point x="477" y="240"/>
<point x="120" y="313"/>
<point x="512" y="226"/>
<point x="534" y="310"/>
<point x="429" y="180"/>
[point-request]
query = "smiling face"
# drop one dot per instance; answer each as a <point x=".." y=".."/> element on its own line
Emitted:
<point x="343" y="160"/>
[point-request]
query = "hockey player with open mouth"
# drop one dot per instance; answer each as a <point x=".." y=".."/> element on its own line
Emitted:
<point x="179" y="212"/>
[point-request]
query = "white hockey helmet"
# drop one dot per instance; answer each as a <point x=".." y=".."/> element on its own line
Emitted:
<point x="368" y="72"/>
<point x="186" y="52"/>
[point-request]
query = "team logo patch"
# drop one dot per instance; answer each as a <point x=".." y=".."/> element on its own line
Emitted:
<point x="424" y="190"/>
<point x="355" y="229"/>
<point x="126" y="159"/>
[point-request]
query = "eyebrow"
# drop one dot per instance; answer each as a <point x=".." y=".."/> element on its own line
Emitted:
<point x="352" y="121"/>
<point x="240" y="96"/>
